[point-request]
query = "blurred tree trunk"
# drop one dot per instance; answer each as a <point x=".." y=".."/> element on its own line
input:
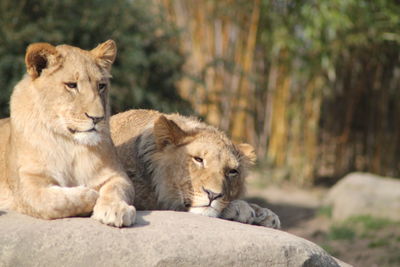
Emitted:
<point x="220" y="44"/>
<point x="242" y="121"/>
<point x="278" y="141"/>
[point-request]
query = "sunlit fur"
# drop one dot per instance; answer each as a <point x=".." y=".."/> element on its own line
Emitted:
<point x="55" y="161"/>
<point x="159" y="154"/>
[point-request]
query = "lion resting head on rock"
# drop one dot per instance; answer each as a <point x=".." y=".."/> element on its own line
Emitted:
<point x="180" y="163"/>
<point x="59" y="159"/>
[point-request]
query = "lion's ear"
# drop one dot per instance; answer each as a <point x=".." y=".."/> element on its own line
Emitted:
<point x="38" y="57"/>
<point x="167" y="132"/>
<point x="105" y="53"/>
<point x="248" y="151"/>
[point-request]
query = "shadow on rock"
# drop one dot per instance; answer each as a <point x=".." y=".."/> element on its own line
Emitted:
<point x="140" y="221"/>
<point x="2" y="212"/>
<point x="290" y="215"/>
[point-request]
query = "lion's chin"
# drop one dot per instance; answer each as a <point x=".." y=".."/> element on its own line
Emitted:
<point x="88" y="138"/>
<point x="206" y="211"/>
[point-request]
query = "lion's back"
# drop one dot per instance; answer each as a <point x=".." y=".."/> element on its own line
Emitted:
<point x="129" y="124"/>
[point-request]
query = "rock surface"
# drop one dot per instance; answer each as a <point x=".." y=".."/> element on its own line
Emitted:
<point x="160" y="238"/>
<point x="365" y="194"/>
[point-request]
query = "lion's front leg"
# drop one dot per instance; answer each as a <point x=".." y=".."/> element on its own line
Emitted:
<point x="113" y="205"/>
<point x="241" y="211"/>
<point x="40" y="196"/>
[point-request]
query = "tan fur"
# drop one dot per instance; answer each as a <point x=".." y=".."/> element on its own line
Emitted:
<point x="161" y="155"/>
<point x="56" y="155"/>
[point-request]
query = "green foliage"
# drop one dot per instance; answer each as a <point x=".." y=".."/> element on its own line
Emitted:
<point x="320" y="31"/>
<point x="370" y="223"/>
<point x="341" y="232"/>
<point x="325" y="211"/>
<point x="382" y="242"/>
<point x="358" y="235"/>
<point x="364" y="226"/>
<point x="148" y="62"/>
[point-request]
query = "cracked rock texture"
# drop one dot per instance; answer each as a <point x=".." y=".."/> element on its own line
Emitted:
<point x="159" y="238"/>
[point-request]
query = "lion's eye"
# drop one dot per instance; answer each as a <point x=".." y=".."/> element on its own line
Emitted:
<point x="71" y="85"/>
<point x="102" y="86"/>
<point x="233" y="172"/>
<point x="198" y="159"/>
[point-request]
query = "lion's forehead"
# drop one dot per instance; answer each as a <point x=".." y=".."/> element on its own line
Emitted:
<point x="81" y="65"/>
<point x="219" y="150"/>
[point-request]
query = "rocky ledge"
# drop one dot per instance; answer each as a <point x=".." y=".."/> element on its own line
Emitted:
<point x="160" y="238"/>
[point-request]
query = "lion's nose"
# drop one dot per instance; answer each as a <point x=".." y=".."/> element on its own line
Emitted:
<point x="212" y="195"/>
<point x="95" y="119"/>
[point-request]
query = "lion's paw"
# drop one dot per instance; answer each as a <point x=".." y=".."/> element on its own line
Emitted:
<point x="239" y="211"/>
<point x="115" y="214"/>
<point x="265" y="217"/>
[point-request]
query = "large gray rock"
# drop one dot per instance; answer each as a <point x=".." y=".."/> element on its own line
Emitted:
<point x="365" y="194"/>
<point x="160" y="238"/>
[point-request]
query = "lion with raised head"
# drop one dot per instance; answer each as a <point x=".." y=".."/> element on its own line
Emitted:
<point x="180" y="163"/>
<point x="57" y="158"/>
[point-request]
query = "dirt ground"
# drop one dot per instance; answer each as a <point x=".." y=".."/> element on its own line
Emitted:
<point x="302" y="213"/>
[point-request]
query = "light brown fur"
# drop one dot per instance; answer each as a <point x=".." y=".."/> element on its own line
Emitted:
<point x="175" y="162"/>
<point x="56" y="155"/>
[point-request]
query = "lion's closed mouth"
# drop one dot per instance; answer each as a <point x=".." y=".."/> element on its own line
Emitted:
<point x="203" y="206"/>
<point x="87" y="131"/>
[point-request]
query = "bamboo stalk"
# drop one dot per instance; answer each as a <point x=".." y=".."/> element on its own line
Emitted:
<point x="243" y="123"/>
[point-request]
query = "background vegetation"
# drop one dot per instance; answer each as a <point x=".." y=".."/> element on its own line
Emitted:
<point x="313" y="85"/>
